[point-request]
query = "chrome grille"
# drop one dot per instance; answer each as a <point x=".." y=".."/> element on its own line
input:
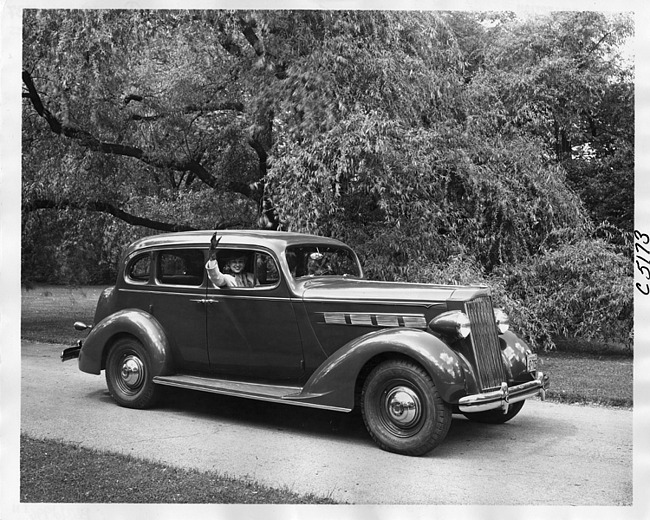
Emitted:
<point x="485" y="342"/>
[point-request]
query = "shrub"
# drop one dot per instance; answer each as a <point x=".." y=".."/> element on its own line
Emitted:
<point x="581" y="289"/>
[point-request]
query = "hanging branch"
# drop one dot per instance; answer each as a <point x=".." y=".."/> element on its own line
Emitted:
<point x="105" y="207"/>
<point x="89" y="141"/>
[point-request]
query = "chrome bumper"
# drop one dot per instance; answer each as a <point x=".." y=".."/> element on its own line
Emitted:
<point x="505" y="396"/>
<point x="72" y="352"/>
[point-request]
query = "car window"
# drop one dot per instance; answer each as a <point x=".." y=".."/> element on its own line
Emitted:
<point x="266" y="270"/>
<point x="139" y="268"/>
<point x="258" y="266"/>
<point x="322" y="261"/>
<point x="180" y="267"/>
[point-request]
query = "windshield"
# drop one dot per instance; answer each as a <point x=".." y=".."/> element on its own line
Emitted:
<point x="322" y="261"/>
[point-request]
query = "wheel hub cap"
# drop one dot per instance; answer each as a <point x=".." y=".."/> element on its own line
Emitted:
<point x="403" y="406"/>
<point x="132" y="371"/>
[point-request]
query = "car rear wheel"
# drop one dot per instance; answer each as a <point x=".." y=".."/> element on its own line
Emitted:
<point x="403" y="410"/>
<point x="495" y="416"/>
<point x="128" y="375"/>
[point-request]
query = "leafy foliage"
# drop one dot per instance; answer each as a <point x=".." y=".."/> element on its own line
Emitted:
<point x="61" y="249"/>
<point x="562" y="78"/>
<point x="579" y="290"/>
<point x="443" y="146"/>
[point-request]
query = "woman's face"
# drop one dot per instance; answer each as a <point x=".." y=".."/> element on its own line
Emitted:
<point x="237" y="265"/>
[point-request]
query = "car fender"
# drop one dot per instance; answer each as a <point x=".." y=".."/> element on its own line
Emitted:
<point x="514" y="351"/>
<point x="134" y="322"/>
<point x="333" y="383"/>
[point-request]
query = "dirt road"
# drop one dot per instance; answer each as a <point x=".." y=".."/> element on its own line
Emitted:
<point x="550" y="454"/>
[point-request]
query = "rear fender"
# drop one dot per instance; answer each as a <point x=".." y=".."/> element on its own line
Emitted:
<point x="134" y="322"/>
<point x="334" y="382"/>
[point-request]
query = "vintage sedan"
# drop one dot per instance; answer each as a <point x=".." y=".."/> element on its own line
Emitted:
<point x="309" y="330"/>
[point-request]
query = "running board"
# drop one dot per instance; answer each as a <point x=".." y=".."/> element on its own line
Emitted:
<point x="258" y="391"/>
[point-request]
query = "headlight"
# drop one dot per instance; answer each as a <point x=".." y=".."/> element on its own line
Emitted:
<point x="452" y="322"/>
<point x="503" y="322"/>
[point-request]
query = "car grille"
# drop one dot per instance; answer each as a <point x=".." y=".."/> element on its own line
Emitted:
<point x="485" y="342"/>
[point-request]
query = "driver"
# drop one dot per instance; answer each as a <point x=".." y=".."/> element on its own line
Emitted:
<point x="317" y="265"/>
<point x="236" y="264"/>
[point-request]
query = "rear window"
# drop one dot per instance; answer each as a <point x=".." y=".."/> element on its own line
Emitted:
<point x="139" y="268"/>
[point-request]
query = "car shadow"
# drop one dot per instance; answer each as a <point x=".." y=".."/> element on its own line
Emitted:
<point x="465" y="437"/>
<point x="298" y="419"/>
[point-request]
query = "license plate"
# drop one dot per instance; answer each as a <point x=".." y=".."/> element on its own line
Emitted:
<point x="531" y="362"/>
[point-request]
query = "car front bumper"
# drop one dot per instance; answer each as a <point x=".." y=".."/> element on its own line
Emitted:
<point x="504" y="396"/>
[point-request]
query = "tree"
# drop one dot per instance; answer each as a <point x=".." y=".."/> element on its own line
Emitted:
<point x="432" y="161"/>
<point x="411" y="134"/>
<point x="562" y="78"/>
<point x="445" y="147"/>
<point x="126" y="86"/>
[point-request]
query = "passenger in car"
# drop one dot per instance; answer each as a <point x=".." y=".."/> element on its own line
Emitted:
<point x="236" y="264"/>
<point x="317" y="265"/>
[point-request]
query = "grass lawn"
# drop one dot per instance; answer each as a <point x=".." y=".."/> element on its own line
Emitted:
<point x="49" y="312"/>
<point x="586" y="379"/>
<point x="58" y="472"/>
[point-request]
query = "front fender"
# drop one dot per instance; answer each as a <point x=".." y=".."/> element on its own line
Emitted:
<point x="134" y="322"/>
<point x="333" y="383"/>
<point x="514" y="351"/>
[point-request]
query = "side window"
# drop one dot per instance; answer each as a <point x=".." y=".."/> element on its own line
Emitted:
<point x="248" y="268"/>
<point x="139" y="268"/>
<point x="180" y="267"/>
<point x="267" y="272"/>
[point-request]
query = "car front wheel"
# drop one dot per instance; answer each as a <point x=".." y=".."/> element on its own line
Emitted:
<point x="128" y="375"/>
<point x="403" y="410"/>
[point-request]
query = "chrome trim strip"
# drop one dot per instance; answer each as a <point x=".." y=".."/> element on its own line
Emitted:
<point x="375" y="319"/>
<point x="412" y="303"/>
<point x="149" y="291"/>
<point x="504" y="396"/>
<point x="248" y="297"/>
<point x="214" y="294"/>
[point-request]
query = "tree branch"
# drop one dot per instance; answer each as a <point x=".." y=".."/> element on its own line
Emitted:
<point x="87" y="140"/>
<point x="248" y="30"/>
<point x="105" y="207"/>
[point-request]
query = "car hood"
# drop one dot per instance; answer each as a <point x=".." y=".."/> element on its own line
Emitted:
<point x="369" y="290"/>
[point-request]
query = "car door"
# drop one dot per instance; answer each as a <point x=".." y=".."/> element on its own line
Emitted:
<point x="175" y="299"/>
<point x="252" y="331"/>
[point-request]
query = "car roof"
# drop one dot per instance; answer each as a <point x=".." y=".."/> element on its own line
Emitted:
<point x="275" y="240"/>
